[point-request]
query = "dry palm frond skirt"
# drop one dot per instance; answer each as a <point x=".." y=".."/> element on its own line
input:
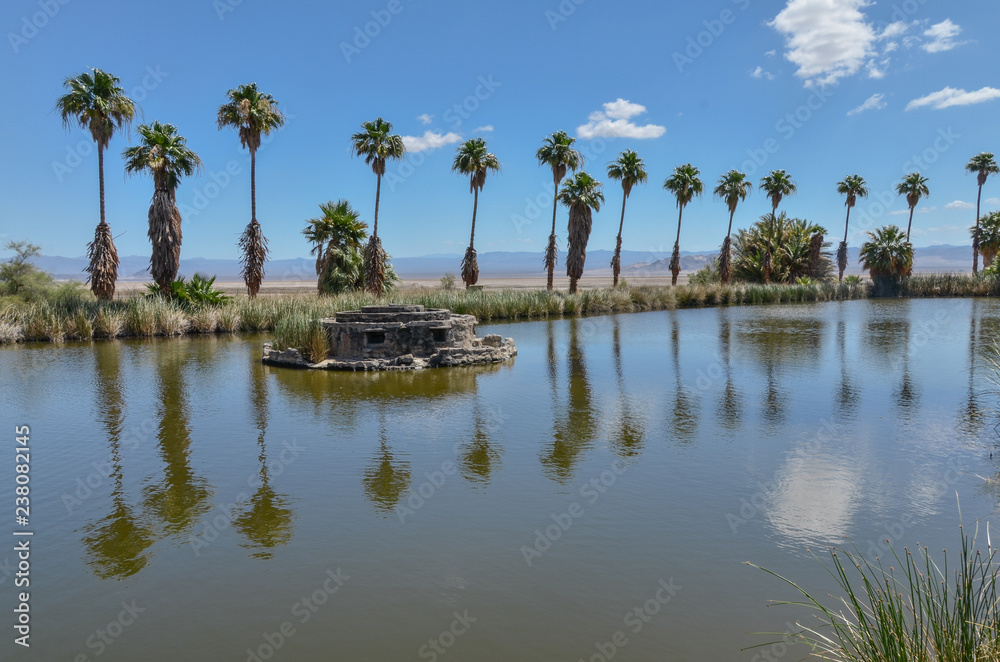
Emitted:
<point x="842" y="258"/>
<point x="616" y="261"/>
<point x="815" y="254"/>
<point x="470" y="268"/>
<point x="165" y="234"/>
<point x="675" y="263"/>
<point x="725" y="261"/>
<point x="551" y="253"/>
<point x="374" y="258"/>
<point x="103" y="268"/>
<point x="253" y="245"/>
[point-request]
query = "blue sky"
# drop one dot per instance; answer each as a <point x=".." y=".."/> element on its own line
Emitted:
<point x="820" y="88"/>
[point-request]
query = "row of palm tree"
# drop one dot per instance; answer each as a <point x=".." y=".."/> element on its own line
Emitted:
<point x="96" y="101"/>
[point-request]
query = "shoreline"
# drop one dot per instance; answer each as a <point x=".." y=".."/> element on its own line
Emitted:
<point x="137" y="316"/>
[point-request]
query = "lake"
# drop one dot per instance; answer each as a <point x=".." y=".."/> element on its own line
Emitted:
<point x="597" y="497"/>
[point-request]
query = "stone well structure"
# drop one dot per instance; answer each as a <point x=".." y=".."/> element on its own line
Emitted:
<point x="400" y="337"/>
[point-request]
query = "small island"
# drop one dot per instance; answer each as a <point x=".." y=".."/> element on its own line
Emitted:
<point x="399" y="337"/>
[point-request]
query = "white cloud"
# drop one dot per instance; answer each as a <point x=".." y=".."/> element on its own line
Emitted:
<point x="874" y="102"/>
<point x="430" y="140"/>
<point x="827" y="39"/>
<point x="483" y="129"/>
<point x="950" y="96"/>
<point x="891" y="47"/>
<point x="759" y="72"/>
<point x="876" y="70"/>
<point x="942" y="37"/>
<point x="425" y="118"/>
<point x="896" y="29"/>
<point x="771" y="53"/>
<point x="960" y="204"/>
<point x="992" y="201"/>
<point x="613" y="122"/>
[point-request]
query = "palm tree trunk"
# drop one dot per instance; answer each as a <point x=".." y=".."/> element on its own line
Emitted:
<point x="725" y="258"/>
<point x="253" y="185"/>
<point x="675" y="258"/>
<point x="475" y="206"/>
<point x="103" y="267"/>
<point x="616" y="261"/>
<point x="975" y="239"/>
<point x="378" y="194"/>
<point x="550" y="250"/>
<point x="470" y="267"/>
<point x="842" y="249"/>
<point x="100" y="169"/>
<point x="910" y="223"/>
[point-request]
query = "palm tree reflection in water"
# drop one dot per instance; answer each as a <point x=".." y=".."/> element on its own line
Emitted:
<point x="117" y="544"/>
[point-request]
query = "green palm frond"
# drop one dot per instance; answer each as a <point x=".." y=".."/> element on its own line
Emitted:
<point x="473" y="159"/>
<point x="776" y="185"/>
<point x="733" y="188"/>
<point x="684" y="184"/>
<point x="558" y="153"/>
<point x="252" y="113"/>
<point x="376" y="143"/>
<point x="96" y="102"/>
<point x="163" y="153"/>
<point x="914" y="187"/>
<point x="629" y="169"/>
<point x="887" y="253"/>
<point x="854" y="187"/>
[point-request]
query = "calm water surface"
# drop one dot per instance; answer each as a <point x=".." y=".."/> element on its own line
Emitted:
<point x="597" y="495"/>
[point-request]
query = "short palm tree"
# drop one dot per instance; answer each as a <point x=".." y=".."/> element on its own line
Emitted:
<point x="733" y="187"/>
<point x="776" y="185"/>
<point x="164" y="154"/>
<point x="557" y="152"/>
<point x="581" y="194"/>
<point x="684" y="184"/>
<point x="472" y="159"/>
<point x="376" y="143"/>
<point x="913" y="187"/>
<point x="888" y="257"/>
<point x="98" y="103"/>
<point x="337" y="237"/>
<point x="983" y="166"/>
<point x="854" y="187"/>
<point x="989" y="237"/>
<point x="251" y="113"/>
<point x="629" y="170"/>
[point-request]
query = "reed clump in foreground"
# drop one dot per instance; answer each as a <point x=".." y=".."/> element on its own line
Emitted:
<point x="76" y="315"/>
<point x="915" y="610"/>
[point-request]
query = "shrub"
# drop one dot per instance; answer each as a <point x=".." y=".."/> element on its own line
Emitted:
<point x="448" y="281"/>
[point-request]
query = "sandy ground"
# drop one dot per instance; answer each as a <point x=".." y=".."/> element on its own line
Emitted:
<point x="279" y="287"/>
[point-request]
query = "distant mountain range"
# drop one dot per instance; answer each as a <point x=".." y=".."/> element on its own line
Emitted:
<point x="935" y="259"/>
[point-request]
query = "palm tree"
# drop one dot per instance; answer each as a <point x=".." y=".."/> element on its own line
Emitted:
<point x="854" y="187"/>
<point x="983" y="165"/>
<point x="164" y="155"/>
<point x="733" y="187"/>
<point x="337" y="237"/>
<point x="557" y="152"/>
<point x="989" y="237"/>
<point x="98" y="103"/>
<point x="252" y="113"/>
<point x="684" y="184"/>
<point x="913" y="187"/>
<point x="376" y="143"/>
<point x="794" y="244"/>
<point x="581" y="194"/>
<point x="888" y="257"/>
<point x="776" y="185"/>
<point x="629" y="170"/>
<point x="472" y="159"/>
